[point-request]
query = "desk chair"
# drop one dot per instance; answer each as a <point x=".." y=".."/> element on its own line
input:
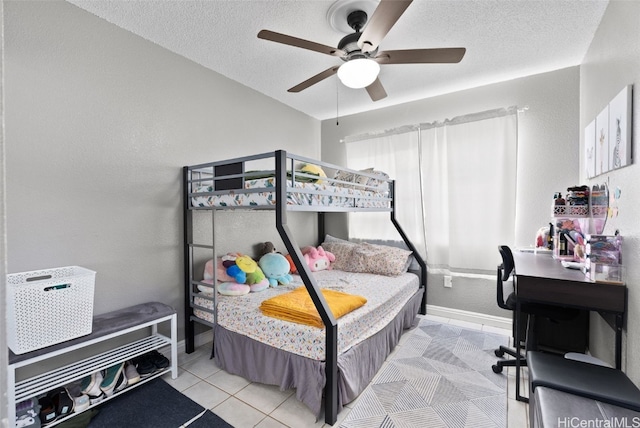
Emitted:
<point x="506" y="288"/>
<point x="531" y="310"/>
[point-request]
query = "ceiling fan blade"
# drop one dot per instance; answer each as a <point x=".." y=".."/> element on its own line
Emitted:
<point x="315" y="79"/>
<point x="299" y="43"/>
<point x="421" y="56"/>
<point x="376" y="91"/>
<point x="383" y="18"/>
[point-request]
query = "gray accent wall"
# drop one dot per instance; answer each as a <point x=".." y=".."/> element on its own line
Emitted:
<point x="611" y="63"/>
<point x="99" y="123"/>
<point x="548" y="142"/>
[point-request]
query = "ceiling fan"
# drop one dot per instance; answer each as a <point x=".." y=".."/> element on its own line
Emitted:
<point x="359" y="50"/>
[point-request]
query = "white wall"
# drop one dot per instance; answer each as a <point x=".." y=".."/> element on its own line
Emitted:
<point x="611" y="63"/>
<point x="548" y="136"/>
<point x="3" y="239"/>
<point x="99" y="123"/>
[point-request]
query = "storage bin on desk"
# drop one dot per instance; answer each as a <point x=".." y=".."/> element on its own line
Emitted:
<point x="570" y="224"/>
<point x="570" y="211"/>
<point x="604" y="259"/>
<point x="604" y="272"/>
<point x="48" y="306"/>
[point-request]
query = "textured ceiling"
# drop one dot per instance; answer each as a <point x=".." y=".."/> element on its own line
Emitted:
<point x="505" y="39"/>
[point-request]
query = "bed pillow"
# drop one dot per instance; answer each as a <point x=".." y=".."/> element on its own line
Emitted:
<point x="344" y="176"/>
<point x="369" y="258"/>
<point x="370" y="183"/>
<point x="376" y="184"/>
<point x="411" y="260"/>
<point x="342" y="250"/>
<point x="380" y="259"/>
<point x="332" y="239"/>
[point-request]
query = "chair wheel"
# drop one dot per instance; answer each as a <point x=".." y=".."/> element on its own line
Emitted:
<point x="496" y="368"/>
<point x="499" y="353"/>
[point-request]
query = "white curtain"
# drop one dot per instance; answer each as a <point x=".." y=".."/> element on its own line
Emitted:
<point x="391" y="154"/>
<point x="456" y="183"/>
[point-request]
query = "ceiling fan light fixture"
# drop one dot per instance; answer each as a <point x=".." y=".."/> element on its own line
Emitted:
<point x="358" y="73"/>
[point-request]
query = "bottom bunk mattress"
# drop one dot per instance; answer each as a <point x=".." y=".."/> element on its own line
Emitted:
<point x="385" y="296"/>
<point x="272" y="351"/>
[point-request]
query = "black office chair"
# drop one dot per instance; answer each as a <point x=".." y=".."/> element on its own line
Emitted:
<point x="531" y="310"/>
<point x="506" y="288"/>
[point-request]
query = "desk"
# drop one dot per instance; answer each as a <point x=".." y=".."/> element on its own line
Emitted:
<point x="541" y="278"/>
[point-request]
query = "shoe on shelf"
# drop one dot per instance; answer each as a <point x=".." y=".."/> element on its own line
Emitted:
<point x="158" y="360"/>
<point x="96" y="398"/>
<point x="143" y="366"/>
<point x="90" y="385"/>
<point x="80" y="401"/>
<point x="62" y="401"/>
<point x="131" y="373"/>
<point x="111" y="379"/>
<point x="122" y="382"/>
<point x="47" y="410"/>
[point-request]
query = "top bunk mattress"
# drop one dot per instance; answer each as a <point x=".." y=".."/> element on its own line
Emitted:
<point x="385" y="298"/>
<point x="255" y="182"/>
<point x="302" y="193"/>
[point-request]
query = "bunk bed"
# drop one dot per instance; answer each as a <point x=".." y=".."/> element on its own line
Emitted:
<point x="330" y="372"/>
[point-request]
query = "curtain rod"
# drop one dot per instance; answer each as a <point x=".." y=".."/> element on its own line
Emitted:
<point x="472" y="117"/>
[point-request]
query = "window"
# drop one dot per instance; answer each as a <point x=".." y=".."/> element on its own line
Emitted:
<point x="455" y="188"/>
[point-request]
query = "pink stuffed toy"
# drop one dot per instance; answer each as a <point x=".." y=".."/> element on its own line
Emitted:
<point x="221" y="270"/>
<point x="317" y="258"/>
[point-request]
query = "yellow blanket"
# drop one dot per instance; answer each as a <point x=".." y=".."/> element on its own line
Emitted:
<point x="297" y="306"/>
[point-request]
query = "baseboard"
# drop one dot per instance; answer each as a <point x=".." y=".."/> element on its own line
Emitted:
<point x="475" y="317"/>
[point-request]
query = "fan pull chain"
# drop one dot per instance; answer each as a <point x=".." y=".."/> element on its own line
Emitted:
<point x="337" y="123"/>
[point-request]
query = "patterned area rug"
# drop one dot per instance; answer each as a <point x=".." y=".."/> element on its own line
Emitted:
<point x="440" y="376"/>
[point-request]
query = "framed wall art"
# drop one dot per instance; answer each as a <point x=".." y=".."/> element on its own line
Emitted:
<point x="620" y="129"/>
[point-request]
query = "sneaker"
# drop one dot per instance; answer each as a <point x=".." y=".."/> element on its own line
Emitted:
<point x="143" y="366"/>
<point x="158" y="360"/>
<point x="121" y="383"/>
<point x="111" y="378"/>
<point x="80" y="401"/>
<point x="131" y="373"/>
<point x="97" y="398"/>
<point x="90" y="385"/>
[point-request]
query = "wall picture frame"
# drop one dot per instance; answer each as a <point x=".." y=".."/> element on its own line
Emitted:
<point x="590" y="149"/>
<point x="620" y="129"/>
<point x="602" y="141"/>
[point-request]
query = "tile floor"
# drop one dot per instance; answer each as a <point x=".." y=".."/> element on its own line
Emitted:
<point x="244" y="404"/>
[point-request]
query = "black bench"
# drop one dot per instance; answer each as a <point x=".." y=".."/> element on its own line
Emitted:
<point x="550" y="408"/>
<point x="564" y="388"/>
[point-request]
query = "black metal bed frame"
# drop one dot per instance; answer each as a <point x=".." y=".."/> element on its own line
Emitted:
<point x="281" y="208"/>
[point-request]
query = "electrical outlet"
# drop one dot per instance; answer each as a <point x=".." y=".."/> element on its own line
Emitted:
<point x="447" y="281"/>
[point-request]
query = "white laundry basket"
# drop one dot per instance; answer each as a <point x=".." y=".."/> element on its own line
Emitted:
<point x="48" y="306"/>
